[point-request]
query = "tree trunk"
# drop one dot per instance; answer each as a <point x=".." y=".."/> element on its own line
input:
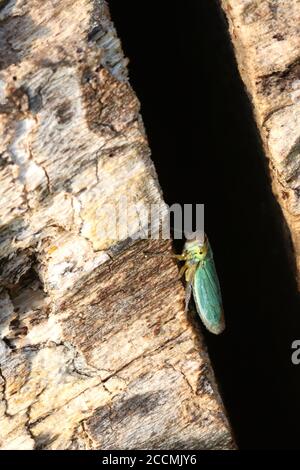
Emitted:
<point x="266" y="38"/>
<point x="96" y="350"/>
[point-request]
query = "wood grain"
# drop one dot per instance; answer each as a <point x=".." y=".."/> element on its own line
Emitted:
<point x="96" y="351"/>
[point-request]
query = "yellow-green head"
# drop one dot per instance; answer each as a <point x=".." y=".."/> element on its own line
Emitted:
<point x="196" y="250"/>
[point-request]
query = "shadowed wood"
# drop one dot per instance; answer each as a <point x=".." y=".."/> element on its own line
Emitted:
<point x="266" y="39"/>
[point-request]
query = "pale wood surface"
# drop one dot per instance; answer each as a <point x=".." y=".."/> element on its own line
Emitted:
<point x="96" y="351"/>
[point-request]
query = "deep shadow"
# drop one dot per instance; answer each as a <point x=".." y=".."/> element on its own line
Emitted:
<point x="206" y="150"/>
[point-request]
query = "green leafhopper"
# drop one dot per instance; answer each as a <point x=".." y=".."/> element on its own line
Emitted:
<point x="202" y="280"/>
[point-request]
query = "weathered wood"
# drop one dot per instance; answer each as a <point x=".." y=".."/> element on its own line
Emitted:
<point x="96" y="351"/>
<point x="266" y="39"/>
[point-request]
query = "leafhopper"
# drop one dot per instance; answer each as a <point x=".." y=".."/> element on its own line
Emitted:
<point x="202" y="281"/>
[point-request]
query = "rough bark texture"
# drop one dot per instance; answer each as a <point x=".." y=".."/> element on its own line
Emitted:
<point x="266" y="37"/>
<point x="96" y="351"/>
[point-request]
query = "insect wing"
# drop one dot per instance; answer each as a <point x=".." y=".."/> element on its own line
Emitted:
<point x="207" y="296"/>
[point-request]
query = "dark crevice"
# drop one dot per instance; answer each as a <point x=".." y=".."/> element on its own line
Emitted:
<point x="25" y="295"/>
<point x="206" y="149"/>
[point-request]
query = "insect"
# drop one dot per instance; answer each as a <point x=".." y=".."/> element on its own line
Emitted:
<point x="202" y="280"/>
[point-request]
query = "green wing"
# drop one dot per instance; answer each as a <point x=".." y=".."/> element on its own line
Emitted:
<point x="207" y="295"/>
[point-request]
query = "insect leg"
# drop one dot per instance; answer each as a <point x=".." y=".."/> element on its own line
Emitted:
<point x="188" y="292"/>
<point x="179" y="257"/>
<point x="182" y="270"/>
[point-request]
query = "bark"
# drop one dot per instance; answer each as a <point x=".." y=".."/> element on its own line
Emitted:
<point x="96" y="351"/>
<point x="266" y="39"/>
